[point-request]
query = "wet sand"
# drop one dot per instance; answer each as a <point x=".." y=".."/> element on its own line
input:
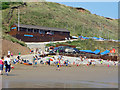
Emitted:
<point x="43" y="76"/>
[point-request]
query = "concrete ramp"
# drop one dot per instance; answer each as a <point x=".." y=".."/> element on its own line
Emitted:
<point x="36" y="45"/>
<point x="42" y="44"/>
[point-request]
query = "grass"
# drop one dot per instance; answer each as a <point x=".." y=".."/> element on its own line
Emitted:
<point x="14" y="40"/>
<point x="50" y="14"/>
<point x="55" y="15"/>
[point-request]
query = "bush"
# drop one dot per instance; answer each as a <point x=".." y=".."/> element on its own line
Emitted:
<point x="5" y="6"/>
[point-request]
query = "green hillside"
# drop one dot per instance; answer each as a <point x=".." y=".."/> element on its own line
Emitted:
<point x="56" y="15"/>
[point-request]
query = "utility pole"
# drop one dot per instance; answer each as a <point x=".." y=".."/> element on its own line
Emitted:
<point x="18" y="19"/>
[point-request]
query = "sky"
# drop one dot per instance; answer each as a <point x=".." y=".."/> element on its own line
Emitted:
<point x="106" y="9"/>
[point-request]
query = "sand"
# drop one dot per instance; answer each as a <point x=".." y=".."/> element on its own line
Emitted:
<point x="15" y="48"/>
<point x="44" y="76"/>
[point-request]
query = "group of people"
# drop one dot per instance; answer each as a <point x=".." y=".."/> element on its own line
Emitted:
<point x="62" y="61"/>
<point x="17" y="60"/>
<point x="5" y="62"/>
<point x="36" y="51"/>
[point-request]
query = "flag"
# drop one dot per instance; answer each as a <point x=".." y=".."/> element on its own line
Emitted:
<point x="112" y="51"/>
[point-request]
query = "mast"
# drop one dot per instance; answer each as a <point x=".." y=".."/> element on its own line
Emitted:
<point x="18" y="19"/>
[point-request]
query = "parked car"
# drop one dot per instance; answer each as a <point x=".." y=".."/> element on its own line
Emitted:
<point x="61" y="49"/>
<point x="72" y="50"/>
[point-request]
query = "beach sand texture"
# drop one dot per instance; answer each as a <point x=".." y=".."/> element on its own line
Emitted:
<point x="43" y="76"/>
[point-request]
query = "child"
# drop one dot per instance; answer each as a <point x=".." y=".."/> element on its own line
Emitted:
<point x="58" y="65"/>
<point x="11" y="54"/>
<point x="1" y="65"/>
<point x="101" y="62"/>
<point x="34" y="60"/>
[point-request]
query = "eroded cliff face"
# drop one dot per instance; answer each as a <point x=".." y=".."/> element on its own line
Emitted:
<point x="15" y="48"/>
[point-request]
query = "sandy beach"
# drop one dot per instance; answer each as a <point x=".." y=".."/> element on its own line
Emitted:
<point x="43" y="76"/>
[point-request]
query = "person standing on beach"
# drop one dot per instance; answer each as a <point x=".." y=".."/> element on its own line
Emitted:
<point x="36" y="57"/>
<point x="30" y="51"/>
<point x="101" y="61"/>
<point x="19" y="53"/>
<point x="11" y="54"/>
<point x="1" y="65"/>
<point x="59" y="61"/>
<point x="8" y="52"/>
<point x="58" y="65"/>
<point x="34" y="61"/>
<point x="18" y="58"/>
<point x="48" y="62"/>
<point x="7" y="62"/>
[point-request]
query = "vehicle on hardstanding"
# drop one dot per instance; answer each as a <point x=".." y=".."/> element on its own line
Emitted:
<point x="72" y="50"/>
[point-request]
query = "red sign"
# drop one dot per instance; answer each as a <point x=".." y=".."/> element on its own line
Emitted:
<point x="112" y="51"/>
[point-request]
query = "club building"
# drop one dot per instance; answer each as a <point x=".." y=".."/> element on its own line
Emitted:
<point x="31" y="33"/>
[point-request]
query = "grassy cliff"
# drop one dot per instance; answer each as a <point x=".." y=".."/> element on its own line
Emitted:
<point x="56" y="15"/>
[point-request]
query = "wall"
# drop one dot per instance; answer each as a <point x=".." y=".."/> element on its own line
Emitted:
<point x="39" y="37"/>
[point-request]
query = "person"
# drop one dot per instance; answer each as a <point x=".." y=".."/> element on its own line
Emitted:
<point x="30" y="51"/>
<point x="101" y="61"/>
<point x="38" y="54"/>
<point x="41" y="62"/>
<point x="58" y="65"/>
<point x="18" y="57"/>
<point x="69" y="63"/>
<point x="59" y="62"/>
<point x="1" y="65"/>
<point x="8" y="52"/>
<point x="36" y="57"/>
<point x="34" y="60"/>
<point x="73" y="62"/>
<point x="49" y="62"/>
<point x="14" y="61"/>
<point x="36" y="50"/>
<point x="93" y="63"/>
<point x="90" y="63"/>
<point x="114" y="63"/>
<point x="12" y="54"/>
<point x="19" y="53"/>
<point x="7" y="62"/>
<point x="66" y="62"/>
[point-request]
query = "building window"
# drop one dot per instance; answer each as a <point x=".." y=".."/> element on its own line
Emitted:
<point x="30" y="30"/>
<point x="36" y="30"/>
<point x="23" y="29"/>
<point x="42" y="32"/>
